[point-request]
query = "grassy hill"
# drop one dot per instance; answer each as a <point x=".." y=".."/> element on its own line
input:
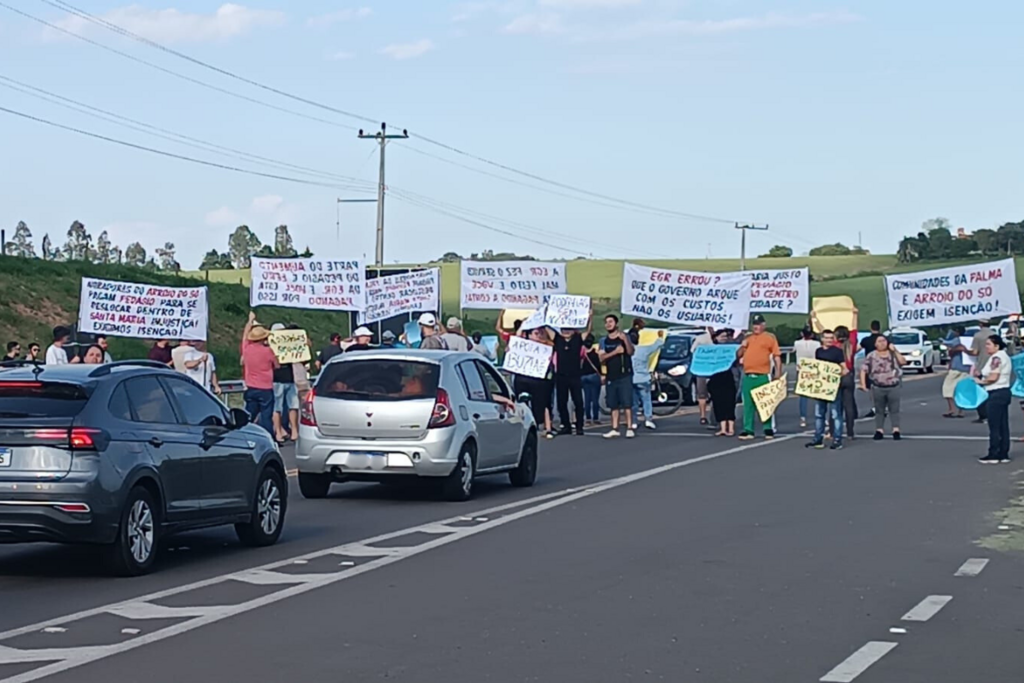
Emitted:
<point x="38" y="295"/>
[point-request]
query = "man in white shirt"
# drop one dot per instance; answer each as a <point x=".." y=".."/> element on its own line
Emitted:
<point x="806" y="347"/>
<point x="180" y="352"/>
<point x="200" y="366"/>
<point x="55" y="354"/>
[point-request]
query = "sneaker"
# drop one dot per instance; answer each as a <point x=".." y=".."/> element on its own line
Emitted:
<point x="579" y="431"/>
<point x="746" y="436"/>
<point x="565" y="431"/>
<point x="814" y="444"/>
<point x="803" y="422"/>
<point x="836" y="446"/>
<point x="549" y="435"/>
<point x="633" y="426"/>
<point x="879" y="436"/>
<point x="650" y="425"/>
<point x="896" y="436"/>
<point x="988" y="461"/>
<point x="613" y="434"/>
<point x="979" y="421"/>
<point x="1004" y="461"/>
<point x="769" y="434"/>
<point x="630" y="433"/>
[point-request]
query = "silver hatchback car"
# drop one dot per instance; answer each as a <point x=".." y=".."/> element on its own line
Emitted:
<point x="404" y="413"/>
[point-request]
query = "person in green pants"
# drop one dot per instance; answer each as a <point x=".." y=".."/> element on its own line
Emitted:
<point x="757" y="352"/>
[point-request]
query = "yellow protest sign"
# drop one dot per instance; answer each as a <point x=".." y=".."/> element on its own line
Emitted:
<point x="818" y="379"/>
<point x="648" y="337"/>
<point x="769" y="397"/>
<point x="290" y="346"/>
<point x="831" y="312"/>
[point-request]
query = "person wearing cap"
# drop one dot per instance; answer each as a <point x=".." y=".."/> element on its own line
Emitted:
<point x="387" y="340"/>
<point x="759" y="353"/>
<point x="258" y="365"/>
<point x="429" y="338"/>
<point x="979" y="351"/>
<point x="361" y="339"/>
<point x="330" y="351"/>
<point x="455" y="338"/>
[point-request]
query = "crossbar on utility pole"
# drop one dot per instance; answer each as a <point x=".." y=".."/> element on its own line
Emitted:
<point x="337" y="225"/>
<point x="382" y="137"/>
<point x="743" y="241"/>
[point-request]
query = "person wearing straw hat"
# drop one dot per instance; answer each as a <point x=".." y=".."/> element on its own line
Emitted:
<point x="258" y="365"/>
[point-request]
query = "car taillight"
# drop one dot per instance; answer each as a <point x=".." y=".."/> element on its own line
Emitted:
<point x="443" y="415"/>
<point x="77" y="438"/>
<point x="307" y="416"/>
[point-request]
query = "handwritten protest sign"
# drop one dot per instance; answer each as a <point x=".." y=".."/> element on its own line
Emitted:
<point x="818" y="379"/>
<point x="126" y="309"/>
<point x="527" y="357"/>
<point x="780" y="291"/>
<point x="401" y="294"/>
<point x="510" y="284"/>
<point x="323" y="284"/>
<point x="290" y="346"/>
<point x="1018" y="371"/>
<point x="567" y="311"/>
<point x="681" y="297"/>
<point x="535" y="320"/>
<point x="949" y="295"/>
<point x="769" y="397"/>
<point x="712" y="359"/>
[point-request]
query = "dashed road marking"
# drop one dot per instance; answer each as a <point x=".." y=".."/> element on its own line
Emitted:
<point x="927" y="608"/>
<point x="972" y="567"/>
<point x="858" y="662"/>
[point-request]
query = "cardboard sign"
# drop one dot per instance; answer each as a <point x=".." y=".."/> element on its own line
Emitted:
<point x="1018" y="371"/>
<point x="831" y="312"/>
<point x="535" y="320"/>
<point x="401" y="294"/>
<point x="412" y="334"/>
<point x="769" y="397"/>
<point x="126" y="309"/>
<point x="949" y="295"/>
<point x="686" y="298"/>
<point x="968" y="394"/>
<point x="315" y="283"/>
<point x="712" y="359"/>
<point x="780" y="291"/>
<point x="818" y="379"/>
<point x="527" y="357"/>
<point x="567" y="311"/>
<point x="510" y="284"/>
<point x="967" y="358"/>
<point x="290" y="346"/>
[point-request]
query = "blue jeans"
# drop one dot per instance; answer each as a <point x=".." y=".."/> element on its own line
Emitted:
<point x="821" y="411"/>
<point x="259" y="403"/>
<point x="803" y="407"/>
<point x="642" y="397"/>
<point x="592" y="397"/>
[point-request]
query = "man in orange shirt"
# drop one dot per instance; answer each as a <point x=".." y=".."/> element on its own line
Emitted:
<point x="757" y="353"/>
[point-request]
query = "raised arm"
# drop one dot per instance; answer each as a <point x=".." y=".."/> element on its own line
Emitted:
<point x="248" y="326"/>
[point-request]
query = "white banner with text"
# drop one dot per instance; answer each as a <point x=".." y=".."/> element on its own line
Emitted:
<point x="780" y="291"/>
<point x="401" y="294"/>
<point x="127" y="309"/>
<point x="315" y="283"/>
<point x="687" y="298"/>
<point x="495" y="285"/>
<point x="949" y="295"/>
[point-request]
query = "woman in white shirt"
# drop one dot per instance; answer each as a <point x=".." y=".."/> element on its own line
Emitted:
<point x="995" y="377"/>
<point x="805" y="348"/>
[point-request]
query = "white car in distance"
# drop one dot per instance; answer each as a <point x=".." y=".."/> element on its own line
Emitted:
<point x="915" y="347"/>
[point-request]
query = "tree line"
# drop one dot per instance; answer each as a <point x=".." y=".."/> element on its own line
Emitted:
<point x="936" y="241"/>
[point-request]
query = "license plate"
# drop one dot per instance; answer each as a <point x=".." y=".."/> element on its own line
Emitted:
<point x="5" y="457"/>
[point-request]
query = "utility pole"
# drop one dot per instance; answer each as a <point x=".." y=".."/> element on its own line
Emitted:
<point x="743" y="241"/>
<point x="382" y="139"/>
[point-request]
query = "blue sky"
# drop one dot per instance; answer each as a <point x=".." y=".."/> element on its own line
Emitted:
<point x="823" y="119"/>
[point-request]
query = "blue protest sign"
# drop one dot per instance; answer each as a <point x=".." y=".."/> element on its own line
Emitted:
<point x="1018" y="371"/>
<point x="712" y="359"/>
<point x="968" y="395"/>
<point x="412" y="334"/>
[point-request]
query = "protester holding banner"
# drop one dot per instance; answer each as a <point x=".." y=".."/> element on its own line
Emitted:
<point x="258" y="365"/>
<point x="805" y="348"/>
<point x="829" y="353"/>
<point x="570" y="356"/>
<point x="760" y="354"/>
<point x="722" y="388"/>
<point x="642" y="381"/>
<point x="704" y="339"/>
<point x="995" y="378"/>
<point x="847" y="341"/>
<point x="162" y="352"/>
<point x="286" y="398"/>
<point x="616" y="354"/>
<point x="979" y="351"/>
<point x="959" y="368"/>
<point x="882" y="376"/>
<point x="541" y="386"/>
<point x="56" y="354"/>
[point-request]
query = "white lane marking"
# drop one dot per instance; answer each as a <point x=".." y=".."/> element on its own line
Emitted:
<point x="75" y="657"/>
<point x="927" y="608"/>
<point x="54" y="629"/>
<point x="147" y="610"/>
<point x="895" y="629"/>
<point x="130" y="631"/>
<point x="972" y="567"/>
<point x="858" y="662"/>
<point x="263" y="577"/>
<point x="939" y="437"/>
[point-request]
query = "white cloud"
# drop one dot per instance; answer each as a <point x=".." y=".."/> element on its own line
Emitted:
<point x="588" y="4"/>
<point x="341" y="56"/>
<point x="267" y="204"/>
<point x="338" y="17"/>
<point x="174" y="26"/>
<point x="535" y="24"/>
<point x="223" y="217"/>
<point x="408" y="50"/>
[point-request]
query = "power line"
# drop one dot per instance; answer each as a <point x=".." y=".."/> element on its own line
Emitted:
<point x="172" y="155"/>
<point x="71" y="9"/>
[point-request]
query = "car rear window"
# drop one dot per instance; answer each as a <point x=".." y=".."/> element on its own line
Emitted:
<point x="41" y="399"/>
<point x="378" y="380"/>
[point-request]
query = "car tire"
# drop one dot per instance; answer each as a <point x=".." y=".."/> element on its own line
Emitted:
<point x="314" y="486"/>
<point x="526" y="472"/>
<point x="270" y="503"/>
<point x="458" y="486"/>
<point x="134" y="551"/>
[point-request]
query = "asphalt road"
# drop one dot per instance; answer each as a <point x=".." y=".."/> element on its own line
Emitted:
<point x="677" y="556"/>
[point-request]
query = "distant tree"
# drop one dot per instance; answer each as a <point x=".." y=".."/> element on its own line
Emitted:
<point x="283" y="245"/>
<point x="115" y="254"/>
<point x="1010" y="238"/>
<point x="103" y="248"/>
<point x="307" y="253"/>
<point x="836" y="249"/>
<point x="135" y="255"/>
<point x="21" y="243"/>
<point x="963" y="248"/>
<point x="79" y="244"/>
<point x="167" y="260"/>
<point x="986" y="240"/>
<point x="778" y="251"/>
<point x="266" y="251"/>
<point x="912" y="249"/>
<point x="151" y="265"/>
<point x="940" y="242"/>
<point x="242" y="245"/>
<point x="450" y="257"/>
<point x="214" y="260"/>
<point x="47" y="248"/>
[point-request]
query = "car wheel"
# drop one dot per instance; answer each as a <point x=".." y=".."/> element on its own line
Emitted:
<point x="269" y="507"/>
<point x="314" y="485"/>
<point x="526" y="473"/>
<point x="458" y="486"/>
<point x="930" y="369"/>
<point x="135" y="550"/>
